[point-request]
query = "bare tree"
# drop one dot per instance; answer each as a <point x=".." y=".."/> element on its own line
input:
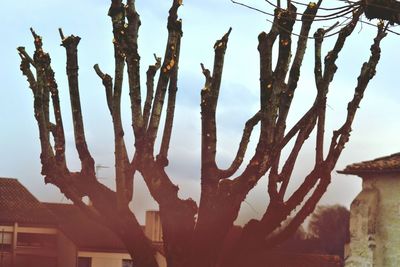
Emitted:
<point x="194" y="234"/>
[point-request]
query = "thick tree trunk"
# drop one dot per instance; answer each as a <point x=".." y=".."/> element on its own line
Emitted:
<point x="216" y="217"/>
<point x="177" y="216"/>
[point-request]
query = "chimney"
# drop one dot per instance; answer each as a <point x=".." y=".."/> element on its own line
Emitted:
<point x="153" y="229"/>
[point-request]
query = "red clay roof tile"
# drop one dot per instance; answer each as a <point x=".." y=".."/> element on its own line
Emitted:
<point x="380" y="165"/>
<point x="17" y="204"/>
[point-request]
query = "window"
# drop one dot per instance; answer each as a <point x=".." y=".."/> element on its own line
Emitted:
<point x="127" y="263"/>
<point x="84" y="262"/>
<point x="5" y="241"/>
<point x="36" y="240"/>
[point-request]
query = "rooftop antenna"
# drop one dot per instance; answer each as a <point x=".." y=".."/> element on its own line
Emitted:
<point x="98" y="167"/>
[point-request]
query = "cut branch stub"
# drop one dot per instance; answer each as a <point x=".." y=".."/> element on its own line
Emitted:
<point x="151" y="72"/>
<point x="108" y="85"/>
<point x="162" y="157"/>
<point x="238" y="160"/>
<point x="209" y="101"/>
<point x="170" y="59"/>
<point x="71" y="45"/>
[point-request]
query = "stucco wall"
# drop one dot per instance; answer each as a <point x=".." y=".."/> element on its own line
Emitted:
<point x="105" y="259"/>
<point x="67" y="252"/>
<point x="375" y="223"/>
<point x="110" y="259"/>
<point x="388" y="247"/>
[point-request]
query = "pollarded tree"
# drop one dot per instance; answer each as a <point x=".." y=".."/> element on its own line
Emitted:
<point x="193" y="234"/>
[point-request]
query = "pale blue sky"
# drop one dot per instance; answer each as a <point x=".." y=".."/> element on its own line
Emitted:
<point x="376" y="128"/>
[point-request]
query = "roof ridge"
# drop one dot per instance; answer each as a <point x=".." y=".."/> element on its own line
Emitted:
<point x="8" y="178"/>
<point x="385" y="157"/>
<point x="18" y="204"/>
<point x="390" y="163"/>
<point x="55" y="203"/>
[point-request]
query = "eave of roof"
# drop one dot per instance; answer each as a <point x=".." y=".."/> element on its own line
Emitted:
<point x="85" y="233"/>
<point x="387" y="164"/>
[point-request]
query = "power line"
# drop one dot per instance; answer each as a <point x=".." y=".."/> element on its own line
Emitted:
<point x="346" y="10"/>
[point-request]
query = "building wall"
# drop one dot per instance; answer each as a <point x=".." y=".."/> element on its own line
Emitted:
<point x="26" y="260"/>
<point x="153" y="228"/>
<point x="64" y="253"/>
<point x="113" y="259"/>
<point x="360" y="254"/>
<point x="5" y="259"/>
<point x="6" y="245"/>
<point x="105" y="259"/>
<point x="388" y="242"/>
<point x="67" y="252"/>
<point x="29" y="252"/>
<point x="375" y="223"/>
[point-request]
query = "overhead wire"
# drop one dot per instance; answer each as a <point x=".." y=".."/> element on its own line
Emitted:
<point x="324" y="8"/>
<point x="319" y="18"/>
<point x="322" y="17"/>
<point x="336" y="15"/>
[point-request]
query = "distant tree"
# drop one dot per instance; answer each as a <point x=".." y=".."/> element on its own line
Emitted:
<point x="330" y="226"/>
<point x="194" y="234"/>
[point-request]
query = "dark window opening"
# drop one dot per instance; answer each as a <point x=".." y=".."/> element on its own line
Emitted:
<point x="36" y="240"/>
<point x="84" y="262"/>
<point x="127" y="263"/>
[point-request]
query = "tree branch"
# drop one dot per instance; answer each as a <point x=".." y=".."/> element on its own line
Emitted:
<point x="288" y="167"/>
<point x="41" y="107"/>
<point x="151" y="72"/>
<point x="124" y="178"/>
<point x="209" y="101"/>
<point x="71" y="44"/>
<point x="174" y="35"/>
<point x="162" y="157"/>
<point x="301" y="215"/>
<point x="58" y="132"/>
<point x="248" y="129"/>
<point x="341" y="136"/>
<point x="130" y="33"/>
<point x="108" y="86"/>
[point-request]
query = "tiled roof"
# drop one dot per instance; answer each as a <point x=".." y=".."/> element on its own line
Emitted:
<point x="87" y="234"/>
<point x="84" y="232"/>
<point x="380" y="165"/>
<point x="17" y="204"/>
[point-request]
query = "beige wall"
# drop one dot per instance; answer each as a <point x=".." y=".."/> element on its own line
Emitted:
<point x="67" y="252"/>
<point x="24" y="256"/>
<point x="105" y="259"/>
<point x="153" y="228"/>
<point x="388" y="239"/>
<point x="110" y="259"/>
<point x="375" y="223"/>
